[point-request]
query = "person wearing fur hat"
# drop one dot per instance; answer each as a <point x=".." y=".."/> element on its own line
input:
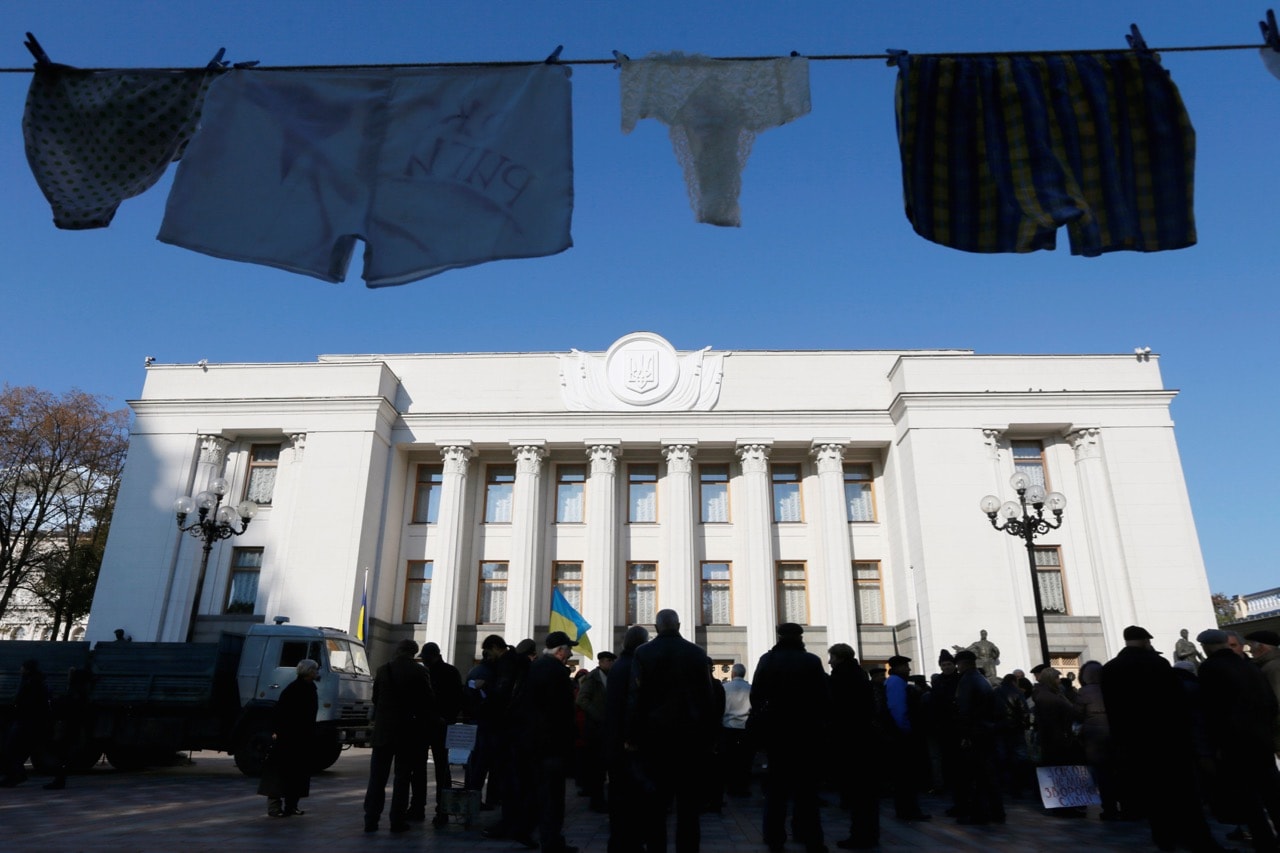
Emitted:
<point x="1265" y="647"/>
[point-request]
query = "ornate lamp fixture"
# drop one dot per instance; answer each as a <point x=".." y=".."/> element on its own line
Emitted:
<point x="215" y="521"/>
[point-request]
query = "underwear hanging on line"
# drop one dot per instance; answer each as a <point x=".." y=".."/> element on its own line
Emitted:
<point x="96" y="138"/>
<point x="1000" y="152"/>
<point x="433" y="168"/>
<point x="714" y="109"/>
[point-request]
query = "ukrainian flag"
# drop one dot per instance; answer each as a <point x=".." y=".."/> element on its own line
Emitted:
<point x="361" y="625"/>
<point x="565" y="618"/>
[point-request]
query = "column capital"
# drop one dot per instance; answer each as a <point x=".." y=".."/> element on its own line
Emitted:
<point x="213" y="449"/>
<point x="455" y="458"/>
<point x="528" y="456"/>
<point x="1086" y="442"/>
<point x="829" y="454"/>
<point x="298" y="443"/>
<point x="754" y="454"/>
<point x="679" y="455"/>
<point x="991" y="437"/>
<point x="603" y="456"/>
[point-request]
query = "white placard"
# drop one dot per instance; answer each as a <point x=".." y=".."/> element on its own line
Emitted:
<point x="1067" y="786"/>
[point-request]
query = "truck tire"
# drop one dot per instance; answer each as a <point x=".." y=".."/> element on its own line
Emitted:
<point x="326" y="755"/>
<point x="84" y="758"/>
<point x="249" y="749"/>
<point x="126" y="757"/>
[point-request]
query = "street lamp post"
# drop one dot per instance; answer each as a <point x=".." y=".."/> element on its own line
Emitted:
<point x="1025" y="519"/>
<point x="215" y="521"/>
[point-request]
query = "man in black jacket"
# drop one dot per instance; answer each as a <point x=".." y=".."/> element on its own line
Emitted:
<point x="855" y="741"/>
<point x="977" y="716"/>
<point x="792" y="699"/>
<point x="671" y="722"/>
<point x="403" y="707"/>
<point x="446" y="683"/>
<point x="544" y="727"/>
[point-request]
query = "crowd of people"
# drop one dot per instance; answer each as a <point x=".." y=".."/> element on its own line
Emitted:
<point x="1187" y="747"/>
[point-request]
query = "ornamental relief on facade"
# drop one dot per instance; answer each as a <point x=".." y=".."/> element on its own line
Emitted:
<point x="641" y="371"/>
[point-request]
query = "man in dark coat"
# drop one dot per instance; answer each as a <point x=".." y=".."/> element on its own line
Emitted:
<point x="904" y="741"/>
<point x="977" y="716"/>
<point x="403" y="708"/>
<point x="28" y="732"/>
<point x="671" y="722"/>
<point x="792" y="701"/>
<point x="628" y="801"/>
<point x="1151" y="731"/>
<point x="939" y="712"/>
<point x="293" y="734"/>
<point x="854" y="743"/>
<point x="591" y="699"/>
<point x="543" y="719"/>
<point x="513" y="773"/>
<point x="446" y="684"/>
<point x="1239" y="714"/>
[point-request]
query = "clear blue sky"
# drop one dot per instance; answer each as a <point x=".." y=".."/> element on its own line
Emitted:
<point x="825" y="257"/>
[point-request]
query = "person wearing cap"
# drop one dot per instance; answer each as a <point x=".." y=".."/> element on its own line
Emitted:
<point x="446" y="683"/>
<point x="906" y="753"/>
<point x="1265" y="646"/>
<point x="854" y="747"/>
<point x="1240" y="714"/>
<point x="939" y="706"/>
<point x="977" y="718"/>
<point x="627" y="799"/>
<point x="543" y="727"/>
<point x="591" y="699"/>
<point x="403" y="704"/>
<point x="1151" y="730"/>
<point x="512" y="777"/>
<point x="480" y="710"/>
<point x="671" y="722"/>
<point x="792" y="699"/>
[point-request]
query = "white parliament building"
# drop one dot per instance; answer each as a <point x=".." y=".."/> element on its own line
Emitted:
<point x="836" y="489"/>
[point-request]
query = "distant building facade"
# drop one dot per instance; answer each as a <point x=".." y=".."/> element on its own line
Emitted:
<point x="837" y="489"/>
<point x="27" y="618"/>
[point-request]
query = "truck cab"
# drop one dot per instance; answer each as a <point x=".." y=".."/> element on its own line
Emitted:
<point x="267" y="665"/>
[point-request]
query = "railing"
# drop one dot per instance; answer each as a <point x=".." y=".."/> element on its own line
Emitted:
<point x="1256" y="604"/>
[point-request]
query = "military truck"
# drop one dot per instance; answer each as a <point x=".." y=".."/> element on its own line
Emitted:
<point x="147" y="701"/>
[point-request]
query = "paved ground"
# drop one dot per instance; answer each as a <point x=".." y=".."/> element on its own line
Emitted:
<point x="208" y="806"/>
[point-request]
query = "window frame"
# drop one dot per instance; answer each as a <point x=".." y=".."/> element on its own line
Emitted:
<point x="413" y="589"/>
<point x="433" y="488"/>
<point x="1015" y="443"/>
<point x="705" y="583"/>
<point x="860" y="583"/>
<point x="870" y="483"/>
<point x="781" y="583"/>
<point x="491" y="483"/>
<point x="633" y="471"/>
<point x="1060" y="570"/>
<point x="631" y="583"/>
<point x="774" y="482"/>
<point x="704" y="483"/>
<point x="482" y="584"/>
<point x="568" y="583"/>
<point x="234" y="570"/>
<point x="562" y="483"/>
<point x="254" y="465"/>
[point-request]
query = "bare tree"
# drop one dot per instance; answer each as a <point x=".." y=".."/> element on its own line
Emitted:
<point x="60" y="464"/>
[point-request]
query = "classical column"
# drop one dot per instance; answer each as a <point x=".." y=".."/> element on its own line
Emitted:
<point x="837" y="550"/>
<point x="522" y="569"/>
<point x="210" y="464"/>
<point x="447" y="569"/>
<point x="678" y="579"/>
<point x="757" y="578"/>
<point x="600" y="571"/>
<point x="1097" y="507"/>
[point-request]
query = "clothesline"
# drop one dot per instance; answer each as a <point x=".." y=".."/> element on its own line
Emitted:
<point x="830" y="57"/>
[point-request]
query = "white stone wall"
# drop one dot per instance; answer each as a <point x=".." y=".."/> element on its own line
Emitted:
<point x="935" y="425"/>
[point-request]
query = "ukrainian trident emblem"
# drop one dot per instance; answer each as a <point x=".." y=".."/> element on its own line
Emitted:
<point x="641" y="370"/>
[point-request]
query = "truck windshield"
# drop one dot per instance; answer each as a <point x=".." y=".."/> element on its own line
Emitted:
<point x="345" y="656"/>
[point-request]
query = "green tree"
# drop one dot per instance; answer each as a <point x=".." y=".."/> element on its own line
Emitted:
<point x="1223" y="610"/>
<point x="60" y="463"/>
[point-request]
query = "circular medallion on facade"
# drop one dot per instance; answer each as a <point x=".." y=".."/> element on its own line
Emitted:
<point x="641" y="368"/>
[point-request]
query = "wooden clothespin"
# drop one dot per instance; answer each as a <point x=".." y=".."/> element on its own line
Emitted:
<point x="1270" y="34"/>
<point x="619" y="58"/>
<point x="42" y="58"/>
<point x="216" y="62"/>
<point x="1136" y="41"/>
<point x="554" y="58"/>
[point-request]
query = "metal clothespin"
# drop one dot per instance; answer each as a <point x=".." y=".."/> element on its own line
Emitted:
<point x="619" y="58"/>
<point x="554" y="58"/>
<point x="1270" y="34"/>
<point x="217" y="62"/>
<point x="42" y="58"/>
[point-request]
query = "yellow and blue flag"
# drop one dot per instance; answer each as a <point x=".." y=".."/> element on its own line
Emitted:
<point x="363" y="623"/>
<point x="565" y="618"/>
